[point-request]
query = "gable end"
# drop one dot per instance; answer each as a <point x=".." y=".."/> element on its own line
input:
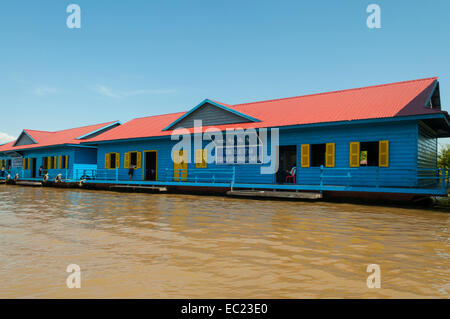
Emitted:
<point x="24" y="139"/>
<point x="210" y="113"/>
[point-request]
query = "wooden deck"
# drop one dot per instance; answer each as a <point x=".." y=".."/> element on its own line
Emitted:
<point x="138" y="188"/>
<point x="275" y="194"/>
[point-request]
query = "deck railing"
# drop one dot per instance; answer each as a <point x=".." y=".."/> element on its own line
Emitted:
<point x="66" y="174"/>
<point x="383" y="177"/>
<point x="321" y="176"/>
<point x="196" y="175"/>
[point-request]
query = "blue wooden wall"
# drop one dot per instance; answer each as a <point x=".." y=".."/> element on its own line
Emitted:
<point x="80" y="157"/>
<point x="403" y="149"/>
<point x="412" y="145"/>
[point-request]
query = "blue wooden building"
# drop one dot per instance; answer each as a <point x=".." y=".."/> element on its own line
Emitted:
<point x="374" y="140"/>
<point x="59" y="152"/>
<point x="378" y="139"/>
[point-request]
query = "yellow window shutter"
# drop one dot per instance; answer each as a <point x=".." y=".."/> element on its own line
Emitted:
<point x="60" y="162"/>
<point x="126" y="164"/>
<point x="29" y="163"/>
<point x="204" y="159"/>
<point x="329" y="156"/>
<point x="117" y="160"/>
<point x="138" y="160"/>
<point x="24" y="163"/>
<point x="66" y="159"/>
<point x="354" y="154"/>
<point x="305" y="155"/>
<point x="198" y="158"/>
<point x="383" y="154"/>
<point x="176" y="166"/>
<point x="107" y="160"/>
<point x="183" y="156"/>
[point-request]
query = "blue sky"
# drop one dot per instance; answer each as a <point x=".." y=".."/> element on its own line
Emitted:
<point x="140" y="58"/>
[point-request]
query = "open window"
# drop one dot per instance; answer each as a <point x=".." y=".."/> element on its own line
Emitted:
<point x="52" y="162"/>
<point x="64" y="161"/>
<point x="133" y="159"/>
<point x="112" y="160"/>
<point x="369" y="154"/>
<point x="317" y="155"/>
<point x="374" y="154"/>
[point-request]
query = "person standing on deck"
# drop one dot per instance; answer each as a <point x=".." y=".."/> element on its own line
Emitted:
<point x="3" y="172"/>
<point x="131" y="172"/>
<point x="40" y="171"/>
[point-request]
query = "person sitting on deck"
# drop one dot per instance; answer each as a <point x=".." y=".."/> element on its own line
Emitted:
<point x="131" y="172"/>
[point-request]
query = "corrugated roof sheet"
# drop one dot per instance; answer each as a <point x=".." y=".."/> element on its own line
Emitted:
<point x="380" y="101"/>
<point x="45" y="138"/>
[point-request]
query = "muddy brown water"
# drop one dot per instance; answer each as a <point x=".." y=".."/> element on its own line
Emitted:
<point x="132" y="245"/>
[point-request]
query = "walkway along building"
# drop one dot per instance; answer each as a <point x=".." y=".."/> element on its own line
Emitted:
<point x="374" y="140"/>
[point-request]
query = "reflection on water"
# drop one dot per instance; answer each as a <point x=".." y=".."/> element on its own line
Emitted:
<point x="156" y="246"/>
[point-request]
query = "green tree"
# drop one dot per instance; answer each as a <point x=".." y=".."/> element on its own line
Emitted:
<point x="444" y="157"/>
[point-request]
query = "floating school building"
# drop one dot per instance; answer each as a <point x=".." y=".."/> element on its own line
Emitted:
<point x="377" y="140"/>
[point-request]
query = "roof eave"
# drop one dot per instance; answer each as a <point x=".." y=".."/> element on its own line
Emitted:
<point x="98" y="130"/>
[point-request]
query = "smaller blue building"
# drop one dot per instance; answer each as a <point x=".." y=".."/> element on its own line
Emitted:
<point x="36" y="153"/>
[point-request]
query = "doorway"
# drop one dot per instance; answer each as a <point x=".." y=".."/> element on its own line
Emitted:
<point x="287" y="160"/>
<point x="150" y="171"/>
<point x="33" y="168"/>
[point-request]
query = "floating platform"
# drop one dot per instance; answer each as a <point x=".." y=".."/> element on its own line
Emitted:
<point x="269" y="191"/>
<point x="28" y="183"/>
<point x="137" y="188"/>
<point x="275" y="194"/>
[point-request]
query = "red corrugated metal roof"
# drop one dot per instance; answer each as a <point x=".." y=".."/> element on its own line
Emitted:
<point x="45" y="138"/>
<point x="380" y="101"/>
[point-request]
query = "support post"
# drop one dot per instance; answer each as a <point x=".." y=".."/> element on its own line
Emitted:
<point x="321" y="177"/>
<point x="349" y="177"/>
<point x="233" y="177"/>
<point x="377" y="178"/>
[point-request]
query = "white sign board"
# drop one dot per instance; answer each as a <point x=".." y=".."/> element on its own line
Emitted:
<point x="17" y="162"/>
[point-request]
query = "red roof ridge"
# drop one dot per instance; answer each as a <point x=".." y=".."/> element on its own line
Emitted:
<point x="337" y="91"/>
<point x="85" y="126"/>
<point x="149" y="116"/>
<point x="68" y="129"/>
<point x="29" y="130"/>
